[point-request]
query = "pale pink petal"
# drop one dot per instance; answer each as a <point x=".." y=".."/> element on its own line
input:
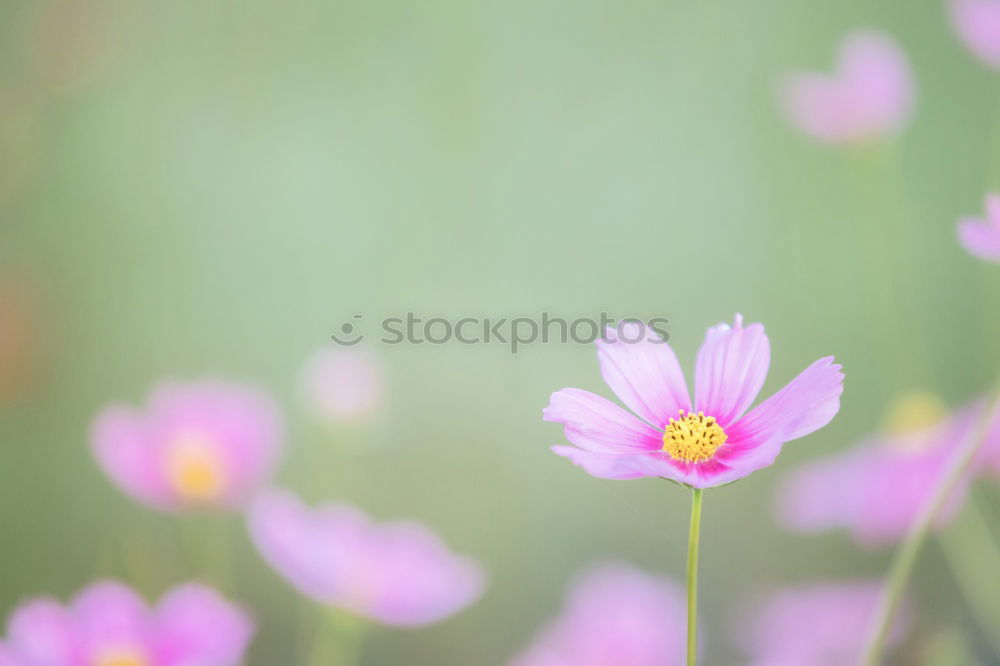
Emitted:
<point x="123" y="452"/>
<point x="823" y="494"/>
<point x="596" y="424"/>
<point x="108" y="616"/>
<point x="7" y="657"/>
<point x="614" y="615"/>
<point x="397" y="573"/>
<point x="820" y="624"/>
<point x="42" y="633"/>
<point x="804" y="405"/>
<point x="815" y="105"/>
<point x="877" y="489"/>
<point x="877" y="73"/>
<point x="897" y="494"/>
<point x="705" y="474"/>
<point x="610" y="465"/>
<point x="643" y="372"/>
<point x="422" y="582"/>
<point x="977" y="22"/>
<point x="979" y="238"/>
<point x="871" y="93"/>
<point x="196" y="625"/>
<point x="652" y="464"/>
<point x="992" y="206"/>
<point x="730" y="371"/>
<point x="298" y="543"/>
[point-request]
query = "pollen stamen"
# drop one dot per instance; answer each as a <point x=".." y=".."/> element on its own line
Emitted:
<point x="693" y="437"/>
<point x="194" y="468"/>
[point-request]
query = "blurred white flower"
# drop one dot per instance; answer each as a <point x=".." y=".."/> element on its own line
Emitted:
<point x="342" y="386"/>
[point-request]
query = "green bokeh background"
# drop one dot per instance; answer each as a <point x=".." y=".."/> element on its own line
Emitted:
<point x="227" y="182"/>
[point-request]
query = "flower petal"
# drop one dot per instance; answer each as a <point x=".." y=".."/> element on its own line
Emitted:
<point x="878" y="488"/>
<point x="978" y="24"/>
<point x="41" y="633"/>
<point x="731" y="368"/>
<point x="647" y="464"/>
<point x="992" y="201"/>
<point x="606" y="465"/>
<point x="643" y="372"/>
<point x="823" y="494"/>
<point x="421" y="581"/>
<point x="804" y="405"/>
<point x="125" y="455"/>
<point x="110" y="615"/>
<point x="196" y="625"/>
<point x="979" y="238"/>
<point x="7" y="657"/>
<point x="596" y="424"/>
<point x="299" y="544"/>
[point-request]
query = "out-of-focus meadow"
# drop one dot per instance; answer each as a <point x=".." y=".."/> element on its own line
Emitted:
<point x="193" y="189"/>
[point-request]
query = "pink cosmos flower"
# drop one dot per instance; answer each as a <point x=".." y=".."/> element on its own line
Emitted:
<point x="342" y="385"/>
<point x="207" y="444"/>
<point x="869" y="95"/>
<point x="7" y="657"/>
<point x="702" y="444"/>
<point x="110" y="625"/>
<point x="977" y="23"/>
<point x="879" y="488"/>
<point x="397" y="573"/>
<point x="824" y="624"/>
<point x="615" y="616"/>
<point x="981" y="237"/>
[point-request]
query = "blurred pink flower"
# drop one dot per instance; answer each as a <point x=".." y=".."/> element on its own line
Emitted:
<point x="7" y="657"/>
<point x="977" y="22"/>
<point x="201" y="445"/>
<point x="878" y="488"/>
<point x="823" y="624"/>
<point x="396" y="573"/>
<point x="981" y="237"/>
<point x="110" y="625"/>
<point x="342" y="385"/>
<point x="869" y="95"/>
<point x="708" y="444"/>
<point x="615" y="615"/>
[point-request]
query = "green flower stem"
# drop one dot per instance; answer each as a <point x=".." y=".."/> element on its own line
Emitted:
<point x="906" y="556"/>
<point x="694" y="538"/>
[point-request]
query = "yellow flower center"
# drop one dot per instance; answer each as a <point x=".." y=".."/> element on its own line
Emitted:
<point x="194" y="468"/>
<point x="121" y="658"/>
<point x="913" y="412"/>
<point x="910" y="418"/>
<point x="693" y="438"/>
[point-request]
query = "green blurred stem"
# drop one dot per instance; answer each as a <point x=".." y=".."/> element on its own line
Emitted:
<point x="338" y="640"/>
<point x="208" y="546"/>
<point x="972" y="554"/>
<point x="694" y="539"/>
<point x="906" y="556"/>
